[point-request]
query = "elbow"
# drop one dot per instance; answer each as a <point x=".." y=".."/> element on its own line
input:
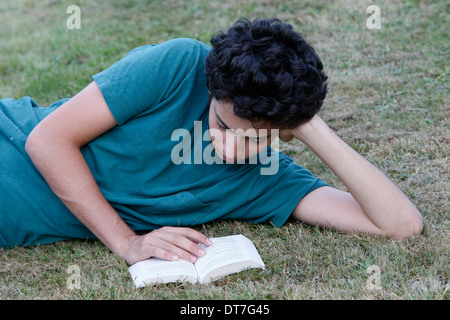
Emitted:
<point x="411" y="226"/>
<point x="32" y="145"/>
<point x="37" y="147"/>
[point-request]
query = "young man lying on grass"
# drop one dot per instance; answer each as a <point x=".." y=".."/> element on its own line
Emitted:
<point x="105" y="163"/>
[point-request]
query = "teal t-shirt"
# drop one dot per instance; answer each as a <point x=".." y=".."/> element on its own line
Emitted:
<point x="159" y="98"/>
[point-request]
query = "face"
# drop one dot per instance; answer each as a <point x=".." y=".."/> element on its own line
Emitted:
<point x="234" y="138"/>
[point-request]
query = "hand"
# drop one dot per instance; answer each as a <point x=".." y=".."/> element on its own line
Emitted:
<point x="169" y="243"/>
<point x="287" y="135"/>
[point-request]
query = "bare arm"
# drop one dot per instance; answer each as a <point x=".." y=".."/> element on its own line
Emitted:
<point x="374" y="204"/>
<point x="54" y="147"/>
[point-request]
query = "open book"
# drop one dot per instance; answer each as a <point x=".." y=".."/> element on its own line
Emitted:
<point x="225" y="256"/>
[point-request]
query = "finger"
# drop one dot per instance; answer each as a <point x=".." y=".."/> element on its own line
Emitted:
<point x="161" y="253"/>
<point x="177" y="251"/>
<point x="191" y="234"/>
<point x="286" y="135"/>
<point x="176" y="242"/>
<point x="158" y="247"/>
<point x="181" y="241"/>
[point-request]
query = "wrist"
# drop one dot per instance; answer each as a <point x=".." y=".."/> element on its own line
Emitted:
<point x="123" y="248"/>
<point x="310" y="129"/>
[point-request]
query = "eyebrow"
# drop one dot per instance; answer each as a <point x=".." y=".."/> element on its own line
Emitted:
<point x="227" y="127"/>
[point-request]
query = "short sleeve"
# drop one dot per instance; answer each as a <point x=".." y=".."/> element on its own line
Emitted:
<point x="147" y="75"/>
<point x="295" y="183"/>
<point x="273" y="198"/>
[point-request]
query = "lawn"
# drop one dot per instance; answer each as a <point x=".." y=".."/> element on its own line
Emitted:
<point x="388" y="99"/>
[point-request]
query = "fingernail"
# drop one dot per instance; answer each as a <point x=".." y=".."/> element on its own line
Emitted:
<point x="201" y="252"/>
<point x="208" y="242"/>
<point x="174" y="257"/>
<point x="193" y="258"/>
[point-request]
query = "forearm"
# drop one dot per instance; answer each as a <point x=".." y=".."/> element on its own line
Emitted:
<point x="382" y="201"/>
<point x="68" y="175"/>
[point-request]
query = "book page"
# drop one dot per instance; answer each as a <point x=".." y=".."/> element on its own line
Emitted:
<point x="156" y="270"/>
<point x="225" y="251"/>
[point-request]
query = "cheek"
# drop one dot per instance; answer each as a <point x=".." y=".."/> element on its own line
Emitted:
<point x="216" y="137"/>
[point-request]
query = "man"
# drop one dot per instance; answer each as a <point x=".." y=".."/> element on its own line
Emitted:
<point x="106" y="152"/>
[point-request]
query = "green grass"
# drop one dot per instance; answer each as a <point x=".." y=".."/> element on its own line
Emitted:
<point x="389" y="100"/>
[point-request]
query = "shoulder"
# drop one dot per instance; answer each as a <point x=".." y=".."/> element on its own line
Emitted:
<point x="185" y="48"/>
<point x="182" y="47"/>
<point x="188" y="43"/>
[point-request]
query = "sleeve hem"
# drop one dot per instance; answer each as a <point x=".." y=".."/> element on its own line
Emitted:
<point x="109" y="99"/>
<point x="280" y="219"/>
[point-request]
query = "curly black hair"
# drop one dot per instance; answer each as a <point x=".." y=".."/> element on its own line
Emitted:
<point x="268" y="71"/>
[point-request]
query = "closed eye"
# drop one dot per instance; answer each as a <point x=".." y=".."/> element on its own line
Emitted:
<point x="254" y="140"/>
<point x="221" y="126"/>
